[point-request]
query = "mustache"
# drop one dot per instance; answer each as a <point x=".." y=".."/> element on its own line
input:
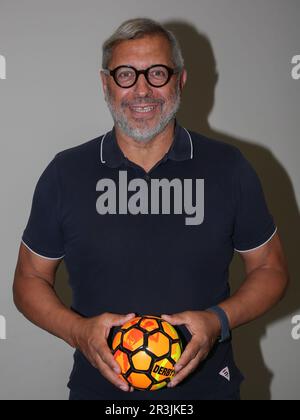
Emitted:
<point x="145" y="100"/>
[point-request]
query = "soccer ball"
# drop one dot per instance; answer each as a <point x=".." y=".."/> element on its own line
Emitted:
<point x="147" y="349"/>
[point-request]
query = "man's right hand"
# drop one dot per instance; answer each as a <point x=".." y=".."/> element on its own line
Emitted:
<point x="90" y="338"/>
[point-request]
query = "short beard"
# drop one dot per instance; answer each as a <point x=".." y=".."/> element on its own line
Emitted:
<point x="144" y="135"/>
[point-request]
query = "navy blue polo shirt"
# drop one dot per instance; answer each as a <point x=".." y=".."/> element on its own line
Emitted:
<point x="159" y="257"/>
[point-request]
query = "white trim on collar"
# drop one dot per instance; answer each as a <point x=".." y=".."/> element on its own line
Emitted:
<point x="101" y="148"/>
<point x="192" y="147"/>
<point x="104" y="137"/>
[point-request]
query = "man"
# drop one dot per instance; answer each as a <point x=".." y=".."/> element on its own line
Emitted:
<point x="120" y="210"/>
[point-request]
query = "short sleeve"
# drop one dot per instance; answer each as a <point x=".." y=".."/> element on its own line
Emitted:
<point x="254" y="225"/>
<point x="43" y="233"/>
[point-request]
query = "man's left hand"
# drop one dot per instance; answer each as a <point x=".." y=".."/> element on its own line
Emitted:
<point x="205" y="329"/>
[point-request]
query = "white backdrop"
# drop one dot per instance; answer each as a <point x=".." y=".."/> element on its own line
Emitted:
<point x="242" y="89"/>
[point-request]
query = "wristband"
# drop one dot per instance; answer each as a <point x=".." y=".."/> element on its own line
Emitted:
<point x="225" y="327"/>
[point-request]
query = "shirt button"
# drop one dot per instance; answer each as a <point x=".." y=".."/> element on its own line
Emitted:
<point x="147" y="177"/>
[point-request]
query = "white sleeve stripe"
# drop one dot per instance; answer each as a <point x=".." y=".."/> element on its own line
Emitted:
<point x="253" y="249"/>
<point x="39" y="255"/>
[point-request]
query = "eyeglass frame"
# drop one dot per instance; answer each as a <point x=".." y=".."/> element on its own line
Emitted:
<point x="171" y="73"/>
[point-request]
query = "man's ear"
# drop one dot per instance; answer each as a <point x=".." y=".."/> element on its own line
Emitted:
<point x="103" y="78"/>
<point x="183" y="79"/>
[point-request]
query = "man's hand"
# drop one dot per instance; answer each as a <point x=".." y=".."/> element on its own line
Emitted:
<point x="205" y="329"/>
<point x="90" y="337"/>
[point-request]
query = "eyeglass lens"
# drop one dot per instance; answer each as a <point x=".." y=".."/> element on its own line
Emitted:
<point x="126" y="76"/>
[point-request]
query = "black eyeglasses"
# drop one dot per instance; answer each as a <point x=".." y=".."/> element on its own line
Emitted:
<point x="157" y="76"/>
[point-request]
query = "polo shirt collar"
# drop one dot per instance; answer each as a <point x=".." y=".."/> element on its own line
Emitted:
<point x="180" y="150"/>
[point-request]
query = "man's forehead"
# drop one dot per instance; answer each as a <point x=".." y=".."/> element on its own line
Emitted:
<point x="143" y="51"/>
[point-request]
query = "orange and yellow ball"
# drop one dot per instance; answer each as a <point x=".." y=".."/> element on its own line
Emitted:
<point x="147" y="349"/>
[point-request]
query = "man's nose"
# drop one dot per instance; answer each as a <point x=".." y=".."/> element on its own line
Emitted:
<point x="142" y="87"/>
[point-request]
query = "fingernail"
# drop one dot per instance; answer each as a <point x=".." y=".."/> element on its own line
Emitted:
<point x="124" y="388"/>
<point x="178" y="368"/>
<point x="117" y="370"/>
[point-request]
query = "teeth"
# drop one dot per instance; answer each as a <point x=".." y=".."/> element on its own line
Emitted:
<point x="146" y="109"/>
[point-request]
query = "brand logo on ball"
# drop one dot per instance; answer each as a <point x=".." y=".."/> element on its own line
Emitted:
<point x="163" y="371"/>
<point x="2" y="67"/>
<point x="147" y="349"/>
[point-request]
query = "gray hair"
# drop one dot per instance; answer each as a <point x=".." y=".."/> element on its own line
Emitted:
<point x="139" y="28"/>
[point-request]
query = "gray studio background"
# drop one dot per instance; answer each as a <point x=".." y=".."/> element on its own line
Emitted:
<point x="238" y="54"/>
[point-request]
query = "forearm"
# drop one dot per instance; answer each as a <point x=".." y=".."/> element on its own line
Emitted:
<point x="262" y="290"/>
<point x="37" y="301"/>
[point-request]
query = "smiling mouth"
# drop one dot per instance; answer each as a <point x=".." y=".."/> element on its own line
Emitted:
<point x="143" y="109"/>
